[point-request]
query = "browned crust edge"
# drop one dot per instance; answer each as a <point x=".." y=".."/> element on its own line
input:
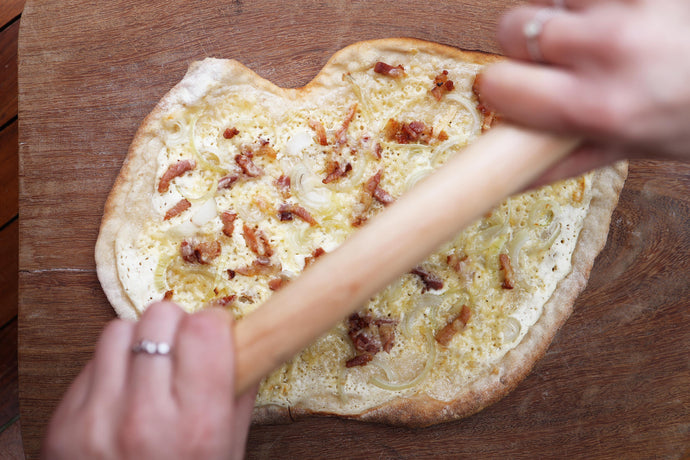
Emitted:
<point x="422" y="410"/>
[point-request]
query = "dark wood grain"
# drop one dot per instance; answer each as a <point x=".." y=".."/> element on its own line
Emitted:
<point x="8" y="73"/>
<point x="11" y="443"/>
<point x="616" y="381"/>
<point x="9" y="401"/>
<point x="10" y="9"/>
<point x="9" y="167"/>
<point x="54" y="343"/>
<point x="9" y="236"/>
<point x="111" y="67"/>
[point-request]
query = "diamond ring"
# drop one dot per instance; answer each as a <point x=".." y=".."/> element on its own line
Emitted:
<point x="151" y="348"/>
<point x="532" y="32"/>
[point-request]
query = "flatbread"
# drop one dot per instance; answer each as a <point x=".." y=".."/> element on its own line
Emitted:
<point x="274" y="177"/>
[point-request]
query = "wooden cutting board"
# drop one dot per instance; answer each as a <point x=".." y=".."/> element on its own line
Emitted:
<point x="615" y="382"/>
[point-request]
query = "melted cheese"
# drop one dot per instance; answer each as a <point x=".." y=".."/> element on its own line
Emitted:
<point x="538" y="230"/>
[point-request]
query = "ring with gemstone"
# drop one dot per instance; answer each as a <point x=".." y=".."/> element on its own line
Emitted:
<point x="532" y="32"/>
<point x="151" y="348"/>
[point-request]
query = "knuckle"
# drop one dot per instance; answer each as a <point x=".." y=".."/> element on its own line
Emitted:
<point x="117" y="328"/>
<point x="621" y="40"/>
<point x="206" y="326"/>
<point x="601" y="113"/>
<point x="132" y="435"/>
<point x="204" y="437"/>
<point x="160" y="308"/>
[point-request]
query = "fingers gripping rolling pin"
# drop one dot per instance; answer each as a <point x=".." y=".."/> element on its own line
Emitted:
<point x="498" y="164"/>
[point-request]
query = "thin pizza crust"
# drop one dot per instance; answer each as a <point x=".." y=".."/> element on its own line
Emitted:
<point x="129" y="209"/>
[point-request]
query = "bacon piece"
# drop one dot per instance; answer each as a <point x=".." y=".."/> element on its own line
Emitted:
<point x="456" y="262"/>
<point x="387" y="69"/>
<point x="283" y="186"/>
<point x="227" y="181"/>
<point x="508" y="273"/>
<point x="221" y="302"/>
<point x="229" y="133"/>
<point x="265" y="149"/>
<point x="406" y="133"/>
<point x="334" y="171"/>
<point x="318" y="252"/>
<point x="369" y="336"/>
<point x="386" y="332"/>
<point x="489" y="117"/>
<point x="179" y="208"/>
<point x="383" y="196"/>
<point x="228" y="220"/>
<point x="372" y="183"/>
<point x="430" y="280"/>
<point x="277" y="283"/>
<point x="341" y="134"/>
<point x="455" y="325"/>
<point x="257" y="241"/>
<point x="286" y="212"/>
<point x="260" y="266"/>
<point x="359" y="360"/>
<point x="248" y="167"/>
<point x="442" y="85"/>
<point x="173" y="171"/>
<point x="168" y="295"/>
<point x="359" y="220"/>
<point x="199" y="252"/>
<point x="231" y="273"/>
<point x="317" y="126"/>
<point x="371" y="191"/>
<point x="378" y="149"/>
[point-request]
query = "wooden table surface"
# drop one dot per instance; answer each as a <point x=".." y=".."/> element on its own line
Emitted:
<point x="616" y="380"/>
<point x="10" y="439"/>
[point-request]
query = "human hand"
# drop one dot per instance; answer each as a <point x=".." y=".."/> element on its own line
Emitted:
<point x="614" y="72"/>
<point x="140" y="406"/>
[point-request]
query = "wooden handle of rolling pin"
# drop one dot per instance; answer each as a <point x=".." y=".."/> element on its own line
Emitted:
<point x="498" y="164"/>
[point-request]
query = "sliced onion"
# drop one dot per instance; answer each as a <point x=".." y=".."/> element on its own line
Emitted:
<point x="543" y="212"/>
<point x="365" y="108"/>
<point x="309" y="190"/>
<point x="516" y="244"/>
<point x="298" y="142"/>
<point x="186" y="228"/>
<point x="205" y="164"/>
<point x="546" y="245"/>
<point x="205" y="213"/>
<point x="428" y="365"/>
<point x="417" y="175"/>
<point x="469" y="107"/>
<point x="511" y="330"/>
<point x="340" y="385"/>
<point x="159" y="275"/>
<point x="203" y="197"/>
<point x="424" y="301"/>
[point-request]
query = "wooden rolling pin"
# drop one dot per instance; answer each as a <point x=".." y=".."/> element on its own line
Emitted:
<point x="498" y="164"/>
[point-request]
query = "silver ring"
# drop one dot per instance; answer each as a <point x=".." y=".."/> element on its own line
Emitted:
<point x="151" y="348"/>
<point x="532" y="32"/>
